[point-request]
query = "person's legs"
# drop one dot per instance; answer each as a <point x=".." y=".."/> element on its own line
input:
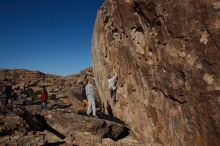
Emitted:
<point x="89" y="105"/>
<point x="6" y="100"/>
<point x="93" y="107"/>
<point x="43" y="104"/>
<point x="114" y="95"/>
<point x="111" y="92"/>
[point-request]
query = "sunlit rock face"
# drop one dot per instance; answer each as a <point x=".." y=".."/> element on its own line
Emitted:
<point x="167" y="57"/>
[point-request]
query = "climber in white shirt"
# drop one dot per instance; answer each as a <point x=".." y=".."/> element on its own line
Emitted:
<point x="112" y="85"/>
<point x="90" y="97"/>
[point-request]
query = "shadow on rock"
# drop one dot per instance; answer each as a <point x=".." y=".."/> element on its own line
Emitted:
<point x="37" y="122"/>
<point x="110" y="127"/>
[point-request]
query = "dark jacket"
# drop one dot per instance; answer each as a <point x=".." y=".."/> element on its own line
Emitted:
<point x="83" y="93"/>
<point x="8" y="90"/>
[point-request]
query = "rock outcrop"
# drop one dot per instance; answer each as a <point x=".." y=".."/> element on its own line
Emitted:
<point x="167" y="57"/>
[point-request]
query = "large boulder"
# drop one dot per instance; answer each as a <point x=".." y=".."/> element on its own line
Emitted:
<point x="167" y="57"/>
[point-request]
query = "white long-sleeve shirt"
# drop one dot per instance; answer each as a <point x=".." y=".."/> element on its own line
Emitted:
<point x="111" y="82"/>
<point x="89" y="90"/>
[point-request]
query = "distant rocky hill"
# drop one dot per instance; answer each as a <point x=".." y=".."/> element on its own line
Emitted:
<point x="57" y="86"/>
<point x="167" y="57"/>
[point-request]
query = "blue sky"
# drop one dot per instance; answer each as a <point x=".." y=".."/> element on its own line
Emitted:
<point x="52" y="36"/>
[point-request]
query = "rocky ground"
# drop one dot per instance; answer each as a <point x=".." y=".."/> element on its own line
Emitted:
<point x="57" y="86"/>
<point x="32" y="125"/>
<point x="61" y="122"/>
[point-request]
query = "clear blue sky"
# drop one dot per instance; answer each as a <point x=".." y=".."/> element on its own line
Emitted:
<point x="52" y="36"/>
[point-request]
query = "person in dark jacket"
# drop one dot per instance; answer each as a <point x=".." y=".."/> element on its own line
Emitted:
<point x="10" y="94"/>
<point x="112" y="81"/>
<point x="44" y="96"/>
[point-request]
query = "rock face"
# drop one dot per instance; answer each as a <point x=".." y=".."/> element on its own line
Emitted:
<point x="167" y="57"/>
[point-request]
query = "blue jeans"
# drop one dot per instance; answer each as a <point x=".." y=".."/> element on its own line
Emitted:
<point x="43" y="103"/>
<point x="91" y="105"/>
<point x="113" y="94"/>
